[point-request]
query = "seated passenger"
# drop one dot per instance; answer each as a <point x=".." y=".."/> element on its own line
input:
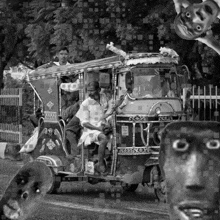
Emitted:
<point x="91" y="114"/>
<point x="171" y="94"/>
<point x="157" y="92"/>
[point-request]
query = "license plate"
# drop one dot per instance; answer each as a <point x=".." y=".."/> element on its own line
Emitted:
<point x="165" y="118"/>
<point x="124" y="131"/>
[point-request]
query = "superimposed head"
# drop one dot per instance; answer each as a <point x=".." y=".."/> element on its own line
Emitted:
<point x="25" y="190"/>
<point x="196" y="19"/>
<point x="190" y="161"/>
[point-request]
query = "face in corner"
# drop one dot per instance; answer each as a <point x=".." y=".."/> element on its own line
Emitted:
<point x="190" y="162"/>
<point x="196" y="19"/>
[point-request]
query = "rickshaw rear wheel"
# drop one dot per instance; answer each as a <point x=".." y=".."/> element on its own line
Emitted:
<point x="160" y="192"/>
<point x="55" y="185"/>
<point x="130" y="187"/>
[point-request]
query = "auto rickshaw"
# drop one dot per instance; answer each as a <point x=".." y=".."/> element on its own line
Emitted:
<point x="150" y="86"/>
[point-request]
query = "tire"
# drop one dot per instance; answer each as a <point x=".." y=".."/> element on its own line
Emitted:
<point x="93" y="181"/>
<point x="130" y="187"/>
<point x="55" y="185"/>
<point x="160" y="192"/>
<point x="26" y="158"/>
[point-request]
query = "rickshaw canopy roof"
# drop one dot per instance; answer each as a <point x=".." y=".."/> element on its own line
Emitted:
<point x="74" y="69"/>
<point x="99" y="64"/>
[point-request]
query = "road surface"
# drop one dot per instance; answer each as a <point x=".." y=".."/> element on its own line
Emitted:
<point x="82" y="201"/>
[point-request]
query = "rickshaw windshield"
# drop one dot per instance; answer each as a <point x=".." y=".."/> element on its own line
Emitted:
<point x="153" y="83"/>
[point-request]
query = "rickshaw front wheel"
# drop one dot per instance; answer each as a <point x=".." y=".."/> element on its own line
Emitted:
<point x="55" y="185"/>
<point x="130" y="187"/>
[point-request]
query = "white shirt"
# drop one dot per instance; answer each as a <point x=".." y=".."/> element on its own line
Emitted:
<point x="91" y="111"/>
<point x="58" y="64"/>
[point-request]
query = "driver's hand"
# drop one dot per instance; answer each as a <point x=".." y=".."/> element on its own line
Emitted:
<point x="179" y="4"/>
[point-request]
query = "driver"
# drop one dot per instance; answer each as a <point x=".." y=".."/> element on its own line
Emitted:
<point x="91" y="114"/>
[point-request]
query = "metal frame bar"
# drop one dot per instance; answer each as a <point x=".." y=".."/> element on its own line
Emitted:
<point x="205" y="95"/>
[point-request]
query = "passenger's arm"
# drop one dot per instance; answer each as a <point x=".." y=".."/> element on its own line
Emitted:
<point x="84" y="116"/>
<point x="91" y="127"/>
<point x="109" y="111"/>
<point x="112" y="108"/>
<point x="67" y="113"/>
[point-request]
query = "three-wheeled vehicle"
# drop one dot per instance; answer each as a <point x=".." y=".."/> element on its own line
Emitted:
<point x="150" y="85"/>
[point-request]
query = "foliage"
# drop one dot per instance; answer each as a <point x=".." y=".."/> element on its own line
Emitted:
<point x="32" y="30"/>
<point x="87" y="26"/>
<point x="13" y="41"/>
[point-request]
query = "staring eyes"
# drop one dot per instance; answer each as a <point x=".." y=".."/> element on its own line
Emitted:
<point x="181" y="145"/>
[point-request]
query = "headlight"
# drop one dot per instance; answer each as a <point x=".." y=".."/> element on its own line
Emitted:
<point x="158" y="110"/>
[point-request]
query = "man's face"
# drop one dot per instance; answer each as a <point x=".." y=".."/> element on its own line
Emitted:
<point x="63" y="57"/>
<point x="196" y="19"/>
<point x="93" y="92"/>
<point x="191" y="164"/>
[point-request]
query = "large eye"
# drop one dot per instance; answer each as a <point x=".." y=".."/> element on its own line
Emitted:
<point x="180" y="145"/>
<point x="188" y="15"/>
<point x="213" y="144"/>
<point x="198" y="28"/>
<point x="24" y="195"/>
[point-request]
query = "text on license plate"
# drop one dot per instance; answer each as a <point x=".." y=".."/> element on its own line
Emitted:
<point x="124" y="130"/>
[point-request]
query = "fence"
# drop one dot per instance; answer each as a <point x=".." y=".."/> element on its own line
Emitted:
<point x="11" y="115"/>
<point x="205" y="102"/>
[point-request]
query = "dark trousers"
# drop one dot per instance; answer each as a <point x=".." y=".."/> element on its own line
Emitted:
<point x="73" y="131"/>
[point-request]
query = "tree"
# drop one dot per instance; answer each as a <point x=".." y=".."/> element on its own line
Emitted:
<point x="13" y="41"/>
<point x="39" y="28"/>
<point x="87" y="26"/>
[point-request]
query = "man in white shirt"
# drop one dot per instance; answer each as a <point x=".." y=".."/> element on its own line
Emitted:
<point x="194" y="21"/>
<point x="91" y="114"/>
<point x="63" y="56"/>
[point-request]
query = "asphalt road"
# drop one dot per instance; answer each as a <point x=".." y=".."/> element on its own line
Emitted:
<point x="82" y="201"/>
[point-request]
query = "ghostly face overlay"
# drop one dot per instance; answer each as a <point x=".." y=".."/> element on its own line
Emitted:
<point x="196" y="19"/>
<point x="25" y="191"/>
<point x="190" y="160"/>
